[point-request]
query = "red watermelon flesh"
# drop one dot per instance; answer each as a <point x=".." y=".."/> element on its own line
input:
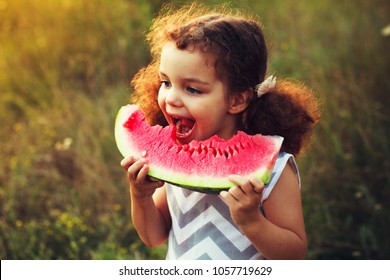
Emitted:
<point x="200" y="165"/>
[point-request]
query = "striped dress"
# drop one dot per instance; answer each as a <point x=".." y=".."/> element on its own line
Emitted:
<point x="202" y="227"/>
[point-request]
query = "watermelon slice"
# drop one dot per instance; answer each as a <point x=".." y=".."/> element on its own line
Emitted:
<point x="200" y="165"/>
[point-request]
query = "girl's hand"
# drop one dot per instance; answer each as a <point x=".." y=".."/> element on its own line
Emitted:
<point x="141" y="185"/>
<point x="244" y="200"/>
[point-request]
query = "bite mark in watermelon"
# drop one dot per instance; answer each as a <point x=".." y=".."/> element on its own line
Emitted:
<point x="200" y="165"/>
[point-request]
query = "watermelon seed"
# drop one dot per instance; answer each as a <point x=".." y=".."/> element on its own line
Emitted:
<point x="226" y="154"/>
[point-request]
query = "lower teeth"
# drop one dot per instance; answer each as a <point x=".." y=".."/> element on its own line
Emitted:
<point x="184" y="126"/>
<point x="184" y="130"/>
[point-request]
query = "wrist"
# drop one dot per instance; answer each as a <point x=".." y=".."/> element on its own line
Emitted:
<point x="252" y="220"/>
<point x="140" y="198"/>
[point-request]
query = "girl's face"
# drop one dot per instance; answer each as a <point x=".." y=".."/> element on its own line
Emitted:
<point x="192" y="97"/>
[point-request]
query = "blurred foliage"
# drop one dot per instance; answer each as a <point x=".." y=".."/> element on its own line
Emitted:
<point x="64" y="72"/>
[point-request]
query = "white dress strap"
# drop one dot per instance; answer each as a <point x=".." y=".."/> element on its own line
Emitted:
<point x="280" y="163"/>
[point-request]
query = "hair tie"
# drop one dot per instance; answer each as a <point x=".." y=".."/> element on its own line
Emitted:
<point x="266" y="86"/>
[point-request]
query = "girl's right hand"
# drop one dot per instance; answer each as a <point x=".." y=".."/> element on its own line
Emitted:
<point x="141" y="186"/>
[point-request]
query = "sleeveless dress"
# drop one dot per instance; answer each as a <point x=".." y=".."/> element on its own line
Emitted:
<point x="202" y="227"/>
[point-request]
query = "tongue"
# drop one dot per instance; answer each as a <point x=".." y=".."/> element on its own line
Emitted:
<point x="184" y="126"/>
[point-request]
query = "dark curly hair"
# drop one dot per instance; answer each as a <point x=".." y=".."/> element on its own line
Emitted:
<point x="237" y="42"/>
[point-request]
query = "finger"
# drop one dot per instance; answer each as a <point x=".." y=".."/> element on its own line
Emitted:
<point x="239" y="180"/>
<point x="158" y="184"/>
<point x="243" y="182"/>
<point x="237" y="193"/>
<point x="227" y="197"/>
<point x="127" y="161"/>
<point x="135" y="168"/>
<point x="143" y="173"/>
<point x="258" y="185"/>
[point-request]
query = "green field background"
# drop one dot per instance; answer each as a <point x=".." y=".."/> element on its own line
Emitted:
<point x="65" y="68"/>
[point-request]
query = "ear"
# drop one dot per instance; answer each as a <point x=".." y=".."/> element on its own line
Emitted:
<point x="239" y="102"/>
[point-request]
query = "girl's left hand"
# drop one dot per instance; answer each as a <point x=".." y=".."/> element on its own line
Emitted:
<point x="244" y="200"/>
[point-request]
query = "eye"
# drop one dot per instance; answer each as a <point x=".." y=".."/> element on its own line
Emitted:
<point x="194" y="90"/>
<point x="166" y="84"/>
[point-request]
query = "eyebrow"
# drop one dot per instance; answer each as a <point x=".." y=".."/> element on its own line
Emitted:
<point x="192" y="80"/>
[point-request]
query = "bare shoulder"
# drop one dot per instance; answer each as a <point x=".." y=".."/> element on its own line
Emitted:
<point x="284" y="206"/>
<point x="286" y="189"/>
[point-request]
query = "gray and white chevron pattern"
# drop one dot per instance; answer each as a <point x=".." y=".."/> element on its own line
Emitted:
<point x="202" y="227"/>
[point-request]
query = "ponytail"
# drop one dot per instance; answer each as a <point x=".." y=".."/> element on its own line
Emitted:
<point x="288" y="110"/>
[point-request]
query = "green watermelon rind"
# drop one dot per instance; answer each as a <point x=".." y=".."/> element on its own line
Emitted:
<point x="120" y="139"/>
<point x="202" y="184"/>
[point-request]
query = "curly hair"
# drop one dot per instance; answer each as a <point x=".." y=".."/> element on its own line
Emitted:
<point x="237" y="42"/>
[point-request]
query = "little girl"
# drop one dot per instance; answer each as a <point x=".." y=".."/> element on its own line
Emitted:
<point x="207" y="78"/>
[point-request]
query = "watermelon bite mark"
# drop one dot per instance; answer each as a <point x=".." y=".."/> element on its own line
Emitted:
<point x="200" y="165"/>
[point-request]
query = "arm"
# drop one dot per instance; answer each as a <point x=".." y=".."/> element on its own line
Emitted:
<point x="280" y="234"/>
<point x="149" y="207"/>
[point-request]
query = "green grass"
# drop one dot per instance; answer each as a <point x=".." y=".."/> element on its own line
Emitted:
<point x="64" y="73"/>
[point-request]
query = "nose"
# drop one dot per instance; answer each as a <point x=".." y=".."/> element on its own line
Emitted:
<point x="173" y="97"/>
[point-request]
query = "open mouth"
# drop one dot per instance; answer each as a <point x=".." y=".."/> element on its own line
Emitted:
<point x="184" y="127"/>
